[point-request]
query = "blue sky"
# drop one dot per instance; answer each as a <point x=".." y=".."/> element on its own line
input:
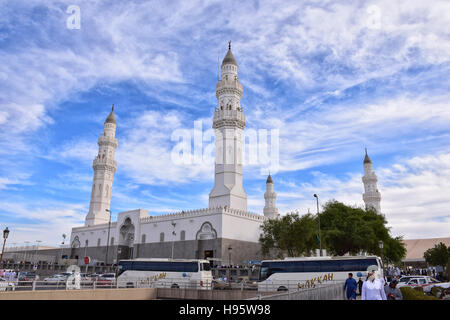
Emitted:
<point x="333" y="77"/>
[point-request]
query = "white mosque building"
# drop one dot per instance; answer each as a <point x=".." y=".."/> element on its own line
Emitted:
<point x="225" y="230"/>
<point x="222" y="231"/>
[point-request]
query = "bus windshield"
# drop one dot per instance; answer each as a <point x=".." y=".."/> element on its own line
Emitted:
<point x="205" y="266"/>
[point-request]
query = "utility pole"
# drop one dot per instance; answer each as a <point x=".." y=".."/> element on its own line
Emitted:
<point x="318" y="218"/>
<point x="107" y="241"/>
<point x="174" y="235"/>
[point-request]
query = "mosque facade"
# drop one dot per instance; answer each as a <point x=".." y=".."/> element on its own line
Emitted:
<point x="224" y="231"/>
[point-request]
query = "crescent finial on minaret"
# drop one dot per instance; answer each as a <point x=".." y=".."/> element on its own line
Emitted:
<point x="229" y="45"/>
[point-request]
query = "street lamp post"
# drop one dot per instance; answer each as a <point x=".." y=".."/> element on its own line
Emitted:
<point x="318" y="218"/>
<point x="26" y="253"/>
<point x="174" y="235"/>
<point x="107" y="242"/>
<point x="229" y="255"/>
<point x="118" y="253"/>
<point x="380" y="244"/>
<point x="5" y="236"/>
<point x="62" y="247"/>
<point x="36" y="261"/>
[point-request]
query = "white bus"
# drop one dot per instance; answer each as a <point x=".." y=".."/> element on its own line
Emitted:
<point x="164" y="273"/>
<point x="310" y="272"/>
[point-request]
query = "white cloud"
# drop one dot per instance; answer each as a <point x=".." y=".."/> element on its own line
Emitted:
<point x="33" y="221"/>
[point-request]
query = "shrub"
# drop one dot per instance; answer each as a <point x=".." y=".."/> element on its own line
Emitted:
<point x="419" y="289"/>
<point x="439" y="292"/>
<point x="409" y="293"/>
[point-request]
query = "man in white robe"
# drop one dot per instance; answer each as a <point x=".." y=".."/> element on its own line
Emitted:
<point x="373" y="289"/>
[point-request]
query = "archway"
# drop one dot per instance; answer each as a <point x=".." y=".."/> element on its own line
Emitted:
<point x="126" y="239"/>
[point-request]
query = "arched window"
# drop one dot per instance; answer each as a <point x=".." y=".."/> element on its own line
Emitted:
<point x="76" y="242"/>
<point x="143" y="238"/>
<point x="161" y="237"/>
<point x="86" y="243"/>
<point x="182" y="235"/>
<point x="112" y="241"/>
<point x="99" y="241"/>
<point x="206" y="232"/>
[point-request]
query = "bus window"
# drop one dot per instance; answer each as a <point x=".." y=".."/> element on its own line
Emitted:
<point x="295" y="266"/>
<point x="330" y="266"/>
<point x="350" y="265"/>
<point x="366" y="263"/>
<point x="311" y="266"/>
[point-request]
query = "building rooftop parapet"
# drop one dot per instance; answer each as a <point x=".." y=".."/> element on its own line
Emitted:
<point x="94" y="227"/>
<point x="203" y="212"/>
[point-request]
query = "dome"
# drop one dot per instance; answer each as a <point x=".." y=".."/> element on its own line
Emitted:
<point x="229" y="58"/>
<point x="111" y="118"/>
<point x="366" y="158"/>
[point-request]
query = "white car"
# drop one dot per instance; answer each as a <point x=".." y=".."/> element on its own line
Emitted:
<point x="6" y="285"/>
<point x="415" y="281"/>
<point x="56" y="279"/>
<point x="445" y="285"/>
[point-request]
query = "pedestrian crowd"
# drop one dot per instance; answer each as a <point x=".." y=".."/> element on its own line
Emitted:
<point x="9" y="275"/>
<point x="373" y="288"/>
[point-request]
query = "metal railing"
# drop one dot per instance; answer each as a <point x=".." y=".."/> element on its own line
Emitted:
<point x="293" y="285"/>
<point x="37" y="285"/>
<point x="329" y="291"/>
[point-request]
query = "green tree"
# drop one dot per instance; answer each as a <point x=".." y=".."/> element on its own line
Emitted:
<point x="291" y="235"/>
<point x="437" y="256"/>
<point x="347" y="229"/>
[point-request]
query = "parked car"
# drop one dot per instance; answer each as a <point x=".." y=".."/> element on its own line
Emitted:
<point x="88" y="278"/>
<point x="94" y="276"/>
<point x="6" y="285"/>
<point x="107" y="279"/>
<point x="56" y="279"/>
<point x="221" y="284"/>
<point x="26" y="278"/>
<point x="416" y="281"/>
<point x="403" y="280"/>
<point x="445" y="285"/>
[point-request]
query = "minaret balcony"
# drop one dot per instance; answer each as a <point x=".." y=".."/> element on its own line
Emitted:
<point x="105" y="140"/>
<point x="228" y="118"/>
<point x="229" y="84"/>
<point x="229" y="87"/>
<point x="104" y="163"/>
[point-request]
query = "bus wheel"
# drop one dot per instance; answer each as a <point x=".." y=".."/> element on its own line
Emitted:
<point x="282" y="289"/>
<point x="174" y="286"/>
<point x="130" y="285"/>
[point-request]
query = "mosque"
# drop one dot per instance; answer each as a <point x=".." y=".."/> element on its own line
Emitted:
<point x="224" y="231"/>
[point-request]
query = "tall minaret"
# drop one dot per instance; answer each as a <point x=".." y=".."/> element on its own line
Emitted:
<point x="270" y="209"/>
<point x="228" y="124"/>
<point x="104" y="168"/>
<point x="371" y="196"/>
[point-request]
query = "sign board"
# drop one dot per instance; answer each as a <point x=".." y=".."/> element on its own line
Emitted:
<point x="87" y="260"/>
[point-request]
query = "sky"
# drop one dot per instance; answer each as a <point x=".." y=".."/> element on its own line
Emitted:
<point x="330" y="77"/>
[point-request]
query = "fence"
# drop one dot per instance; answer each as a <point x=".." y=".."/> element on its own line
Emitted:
<point x="332" y="291"/>
<point x="62" y="284"/>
